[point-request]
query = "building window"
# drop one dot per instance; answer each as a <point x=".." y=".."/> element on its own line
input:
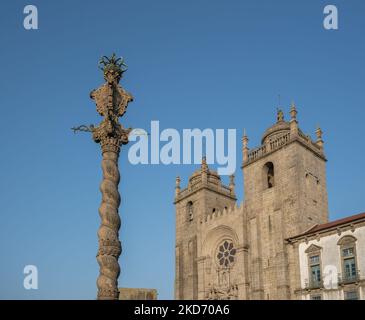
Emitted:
<point x="315" y="271"/>
<point x="350" y="268"/>
<point x="314" y="259"/>
<point x="314" y="267"/>
<point x="348" y="252"/>
<point x="269" y="174"/>
<point x="348" y="255"/>
<point x="316" y="297"/>
<point x="351" y="295"/>
<point x="190" y="211"/>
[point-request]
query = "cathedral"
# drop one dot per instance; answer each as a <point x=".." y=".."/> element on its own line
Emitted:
<point x="278" y="243"/>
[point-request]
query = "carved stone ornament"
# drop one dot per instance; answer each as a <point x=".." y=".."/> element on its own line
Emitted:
<point x="111" y="103"/>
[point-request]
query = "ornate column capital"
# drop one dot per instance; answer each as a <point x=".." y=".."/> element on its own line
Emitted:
<point x="111" y="103"/>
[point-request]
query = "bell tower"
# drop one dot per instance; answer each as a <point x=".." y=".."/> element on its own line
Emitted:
<point x="205" y="195"/>
<point x="285" y="194"/>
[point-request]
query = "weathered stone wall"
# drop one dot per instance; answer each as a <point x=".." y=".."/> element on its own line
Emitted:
<point x="208" y="200"/>
<point x="295" y="203"/>
<point x="137" y="294"/>
<point x="214" y="230"/>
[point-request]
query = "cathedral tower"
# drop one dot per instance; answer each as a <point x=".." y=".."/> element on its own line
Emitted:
<point x="204" y="197"/>
<point x="285" y="194"/>
<point x="225" y="251"/>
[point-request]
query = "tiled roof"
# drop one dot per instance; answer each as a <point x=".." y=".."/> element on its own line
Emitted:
<point x="320" y="227"/>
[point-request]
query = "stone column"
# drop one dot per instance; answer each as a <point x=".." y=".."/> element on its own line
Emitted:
<point x="109" y="244"/>
<point x="111" y="103"/>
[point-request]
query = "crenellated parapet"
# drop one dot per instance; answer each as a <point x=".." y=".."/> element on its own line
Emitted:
<point x="222" y="214"/>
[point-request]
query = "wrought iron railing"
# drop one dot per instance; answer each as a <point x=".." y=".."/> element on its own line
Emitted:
<point x="313" y="284"/>
<point x="345" y="278"/>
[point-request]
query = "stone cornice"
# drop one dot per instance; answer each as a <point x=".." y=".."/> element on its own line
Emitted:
<point x="327" y="232"/>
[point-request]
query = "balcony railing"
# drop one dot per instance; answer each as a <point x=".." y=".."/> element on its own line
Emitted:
<point x="348" y="278"/>
<point x="276" y="143"/>
<point x="313" y="284"/>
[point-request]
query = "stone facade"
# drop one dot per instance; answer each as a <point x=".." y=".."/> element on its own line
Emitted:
<point x="226" y="251"/>
<point x="137" y="294"/>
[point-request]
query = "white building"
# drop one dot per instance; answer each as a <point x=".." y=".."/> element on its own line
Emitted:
<point x="331" y="260"/>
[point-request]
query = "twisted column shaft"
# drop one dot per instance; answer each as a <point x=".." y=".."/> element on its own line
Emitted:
<point x="109" y="244"/>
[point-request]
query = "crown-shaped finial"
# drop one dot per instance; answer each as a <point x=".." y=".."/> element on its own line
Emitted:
<point x="113" y="67"/>
<point x="280" y="115"/>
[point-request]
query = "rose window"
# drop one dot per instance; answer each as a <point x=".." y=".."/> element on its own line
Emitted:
<point x="226" y="254"/>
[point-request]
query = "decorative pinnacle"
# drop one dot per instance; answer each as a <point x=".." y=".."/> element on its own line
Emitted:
<point x="293" y="111"/>
<point x="113" y="68"/>
<point x="244" y="139"/>
<point x="177" y="183"/>
<point x="231" y="184"/>
<point x="319" y="137"/>
<point x="177" y="186"/>
<point x="231" y="180"/>
<point x="244" y="146"/>
<point x="319" y="133"/>
<point x="204" y="165"/>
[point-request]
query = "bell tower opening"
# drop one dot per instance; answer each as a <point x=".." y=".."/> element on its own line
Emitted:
<point x="190" y="211"/>
<point x="269" y="175"/>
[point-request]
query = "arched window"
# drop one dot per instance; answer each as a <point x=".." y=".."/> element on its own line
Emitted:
<point x="190" y="211"/>
<point x="269" y="175"/>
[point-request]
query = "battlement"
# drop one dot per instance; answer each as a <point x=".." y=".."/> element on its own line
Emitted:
<point x="214" y="216"/>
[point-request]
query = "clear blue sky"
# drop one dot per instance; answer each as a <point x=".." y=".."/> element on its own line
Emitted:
<point x="203" y="64"/>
